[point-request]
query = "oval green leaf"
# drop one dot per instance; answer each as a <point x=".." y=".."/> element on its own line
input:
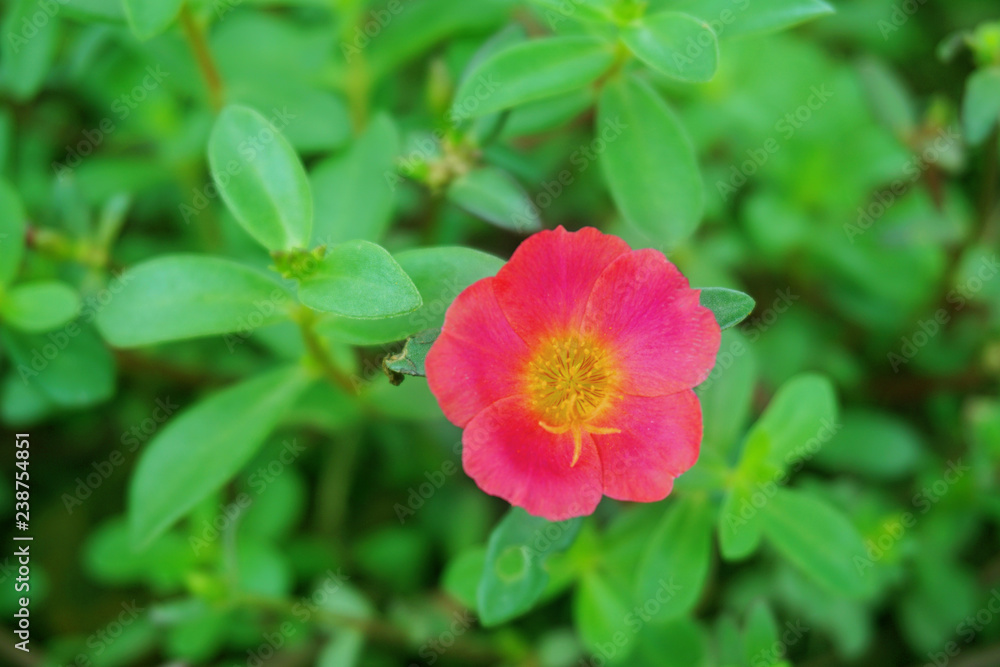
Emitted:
<point x="514" y="575"/>
<point x="28" y="47"/>
<point x="39" y="306"/>
<point x="729" y="306"/>
<point x="70" y="367"/>
<point x="740" y="525"/>
<point x="602" y="615"/>
<point x="676" y="44"/>
<point x="531" y="71"/>
<point x="753" y="18"/>
<point x="677" y="558"/>
<point x="360" y="279"/>
<point x="200" y="449"/>
<point x="493" y="195"/>
<point x="650" y="165"/>
<point x="261" y="179"/>
<point x="981" y="106"/>
<point x="440" y="275"/>
<point x="799" y="420"/>
<point x="186" y="296"/>
<point x="818" y="539"/>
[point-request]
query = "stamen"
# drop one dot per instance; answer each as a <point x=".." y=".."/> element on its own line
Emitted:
<point x="569" y="381"/>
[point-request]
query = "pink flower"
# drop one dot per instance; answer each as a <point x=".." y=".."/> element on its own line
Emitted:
<point x="571" y="372"/>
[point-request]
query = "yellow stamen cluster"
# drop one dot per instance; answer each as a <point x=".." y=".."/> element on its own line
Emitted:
<point x="569" y="380"/>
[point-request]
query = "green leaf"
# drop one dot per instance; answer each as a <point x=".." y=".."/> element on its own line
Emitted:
<point x="890" y="100"/>
<point x="601" y="613"/>
<point x="71" y="366"/>
<point x="462" y="575"/>
<point x="410" y="361"/>
<point x="414" y="27"/>
<point x="729" y="306"/>
<point x="261" y="179"/>
<point x="360" y="279"/>
<point x="343" y="650"/>
<point x="676" y="44"/>
<point x="740" y="524"/>
<point x="593" y="11"/>
<point x="874" y="444"/>
<point x="650" y="165"/>
<point x="203" y="447"/>
<point x="28" y="47"/>
<point x="493" y="195"/>
<point x="727" y="395"/>
<point x="148" y="18"/>
<point x="12" y="219"/>
<point x="440" y="275"/>
<point x="736" y="19"/>
<point x="176" y="297"/>
<point x="680" y="642"/>
<point x="355" y="191"/>
<point x="817" y="539"/>
<point x="981" y="106"/>
<point x="678" y="552"/>
<point x="531" y="71"/>
<point x="515" y="575"/>
<point x="760" y="635"/>
<point x="801" y="418"/>
<point x="39" y="306"/>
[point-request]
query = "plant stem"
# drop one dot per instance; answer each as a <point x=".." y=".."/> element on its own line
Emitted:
<point x="203" y="56"/>
<point x="319" y="353"/>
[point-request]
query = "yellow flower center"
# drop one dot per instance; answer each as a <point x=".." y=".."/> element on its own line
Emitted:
<point x="568" y="382"/>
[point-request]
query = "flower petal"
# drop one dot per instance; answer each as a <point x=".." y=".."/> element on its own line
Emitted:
<point x="660" y="438"/>
<point x="544" y="287"/>
<point x="474" y="361"/>
<point x="509" y="455"/>
<point x="642" y="306"/>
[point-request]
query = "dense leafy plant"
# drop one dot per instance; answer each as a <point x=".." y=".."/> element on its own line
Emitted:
<point x="229" y="233"/>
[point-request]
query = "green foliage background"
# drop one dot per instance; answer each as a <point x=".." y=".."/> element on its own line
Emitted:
<point x="218" y="217"/>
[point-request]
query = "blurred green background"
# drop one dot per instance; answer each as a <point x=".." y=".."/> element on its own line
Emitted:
<point x="849" y="168"/>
